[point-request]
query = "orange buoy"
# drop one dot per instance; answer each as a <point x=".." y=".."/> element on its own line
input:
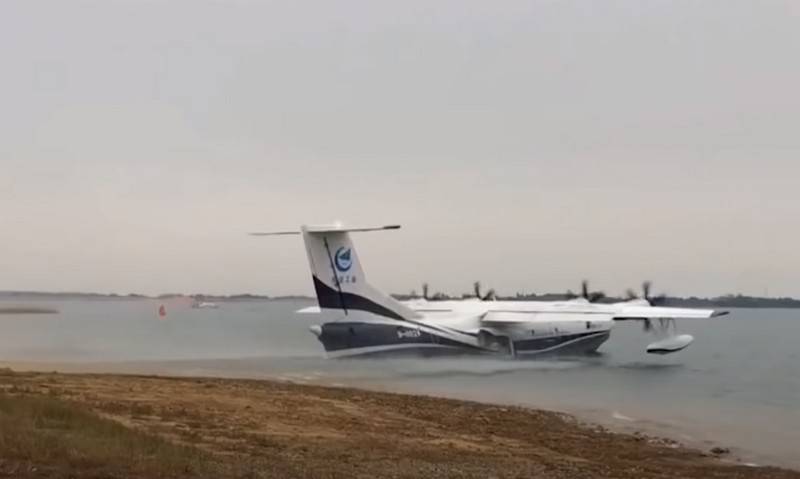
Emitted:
<point x="162" y="311"/>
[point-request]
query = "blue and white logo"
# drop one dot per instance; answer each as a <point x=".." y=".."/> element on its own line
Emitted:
<point x="343" y="259"/>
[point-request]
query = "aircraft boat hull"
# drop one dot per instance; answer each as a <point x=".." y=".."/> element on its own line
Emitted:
<point x="357" y="339"/>
<point x="565" y="344"/>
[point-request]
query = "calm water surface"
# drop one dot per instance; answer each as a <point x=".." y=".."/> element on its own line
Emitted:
<point x="738" y="385"/>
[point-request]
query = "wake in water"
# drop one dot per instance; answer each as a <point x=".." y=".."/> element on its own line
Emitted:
<point x="447" y="368"/>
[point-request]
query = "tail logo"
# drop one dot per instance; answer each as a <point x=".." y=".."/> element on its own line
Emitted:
<point x="343" y="259"/>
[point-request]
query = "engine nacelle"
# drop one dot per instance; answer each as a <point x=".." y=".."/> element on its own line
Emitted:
<point x="671" y="344"/>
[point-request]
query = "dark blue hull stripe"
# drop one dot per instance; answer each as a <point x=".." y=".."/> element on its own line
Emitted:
<point x="349" y="335"/>
<point x="548" y="342"/>
<point x="328" y="298"/>
<point x="332" y="299"/>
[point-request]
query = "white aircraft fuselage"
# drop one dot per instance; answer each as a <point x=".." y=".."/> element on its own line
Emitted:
<point x="369" y="322"/>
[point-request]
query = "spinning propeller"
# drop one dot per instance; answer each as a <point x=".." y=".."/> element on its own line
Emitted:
<point x="429" y="296"/>
<point x="590" y="296"/>
<point x="657" y="300"/>
<point x="489" y="296"/>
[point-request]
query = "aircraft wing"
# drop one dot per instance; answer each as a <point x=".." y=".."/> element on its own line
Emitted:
<point x="655" y="312"/>
<point x="494" y="317"/>
<point x="514" y="317"/>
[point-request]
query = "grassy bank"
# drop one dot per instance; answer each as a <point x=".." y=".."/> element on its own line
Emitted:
<point x="42" y="436"/>
<point x="115" y="426"/>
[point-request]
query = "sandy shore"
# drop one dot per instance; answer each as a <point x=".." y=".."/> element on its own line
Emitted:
<point x="279" y="429"/>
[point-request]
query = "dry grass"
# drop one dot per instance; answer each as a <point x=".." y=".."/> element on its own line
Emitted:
<point x="43" y="436"/>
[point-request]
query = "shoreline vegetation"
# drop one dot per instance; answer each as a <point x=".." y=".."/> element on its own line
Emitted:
<point x="111" y="425"/>
<point x="725" y="301"/>
<point x="27" y="310"/>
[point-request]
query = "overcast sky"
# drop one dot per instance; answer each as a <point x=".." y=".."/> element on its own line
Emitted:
<point x="528" y="144"/>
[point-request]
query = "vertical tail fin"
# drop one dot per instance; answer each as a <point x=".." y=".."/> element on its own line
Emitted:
<point x="339" y="279"/>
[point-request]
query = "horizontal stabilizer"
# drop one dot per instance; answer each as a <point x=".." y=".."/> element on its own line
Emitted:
<point x="309" y="310"/>
<point x="335" y="228"/>
<point x="274" y="233"/>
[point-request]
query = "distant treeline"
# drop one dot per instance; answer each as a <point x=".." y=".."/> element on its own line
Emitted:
<point x="735" y="301"/>
<point x="27" y="310"/>
<point x="726" y="301"/>
<point x="38" y="295"/>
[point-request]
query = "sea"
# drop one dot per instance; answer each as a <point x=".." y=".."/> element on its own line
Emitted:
<point x="737" y="386"/>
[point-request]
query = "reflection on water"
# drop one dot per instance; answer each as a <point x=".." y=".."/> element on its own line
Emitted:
<point x="738" y="384"/>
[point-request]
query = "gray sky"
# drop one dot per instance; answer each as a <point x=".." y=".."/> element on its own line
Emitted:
<point x="528" y="144"/>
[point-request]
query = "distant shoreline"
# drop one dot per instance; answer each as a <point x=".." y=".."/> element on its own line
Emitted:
<point x="46" y="295"/>
<point x="726" y="301"/>
<point x="27" y="310"/>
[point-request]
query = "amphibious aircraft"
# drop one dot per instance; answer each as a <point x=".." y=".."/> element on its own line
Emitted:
<point x="371" y="323"/>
